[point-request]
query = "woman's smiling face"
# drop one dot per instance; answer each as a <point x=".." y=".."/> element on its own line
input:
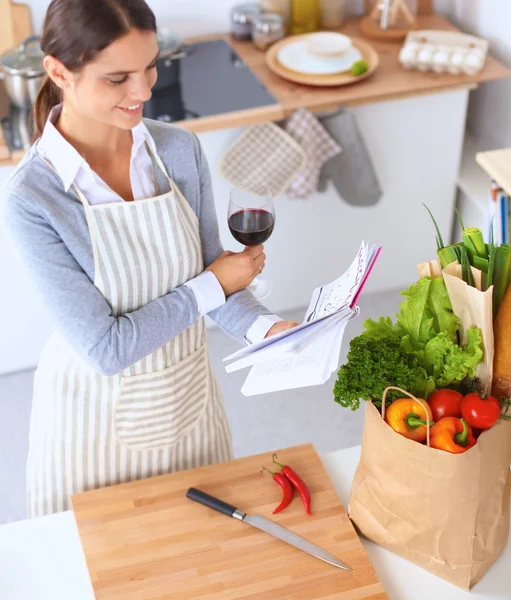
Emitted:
<point x="113" y="87"/>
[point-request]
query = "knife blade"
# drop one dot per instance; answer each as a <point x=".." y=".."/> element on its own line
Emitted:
<point x="267" y="526"/>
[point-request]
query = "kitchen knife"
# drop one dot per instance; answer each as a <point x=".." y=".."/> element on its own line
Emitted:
<point x="265" y="525"/>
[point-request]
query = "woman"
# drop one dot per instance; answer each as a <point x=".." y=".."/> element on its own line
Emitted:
<point x="114" y="221"/>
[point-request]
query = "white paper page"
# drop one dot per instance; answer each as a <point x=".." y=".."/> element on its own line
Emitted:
<point x="327" y="300"/>
<point x="287" y="345"/>
<point x="312" y="366"/>
<point x="276" y="338"/>
<point x="340" y="293"/>
<point x="335" y="348"/>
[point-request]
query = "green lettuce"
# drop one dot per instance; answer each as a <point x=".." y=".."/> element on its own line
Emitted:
<point x="439" y="303"/>
<point x="449" y="363"/>
<point x="427" y="329"/>
<point x="415" y="315"/>
<point x="426" y="312"/>
<point x="382" y="329"/>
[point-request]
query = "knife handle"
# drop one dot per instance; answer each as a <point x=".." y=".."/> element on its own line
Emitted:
<point x="214" y="503"/>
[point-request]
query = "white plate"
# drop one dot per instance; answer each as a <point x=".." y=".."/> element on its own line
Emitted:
<point x="294" y="56"/>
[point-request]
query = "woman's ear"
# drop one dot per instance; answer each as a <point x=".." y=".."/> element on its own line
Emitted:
<point x="57" y="72"/>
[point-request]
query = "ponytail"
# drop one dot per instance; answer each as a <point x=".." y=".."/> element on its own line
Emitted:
<point x="49" y="96"/>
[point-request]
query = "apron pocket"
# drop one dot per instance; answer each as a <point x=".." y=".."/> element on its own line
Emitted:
<point x="157" y="410"/>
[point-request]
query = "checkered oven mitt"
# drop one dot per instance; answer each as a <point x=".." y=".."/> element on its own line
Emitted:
<point x="319" y="145"/>
<point x="263" y="153"/>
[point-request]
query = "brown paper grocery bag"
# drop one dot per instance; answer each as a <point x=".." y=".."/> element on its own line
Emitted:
<point x="448" y="513"/>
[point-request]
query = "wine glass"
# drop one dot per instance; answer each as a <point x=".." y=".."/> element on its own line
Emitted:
<point x="251" y="218"/>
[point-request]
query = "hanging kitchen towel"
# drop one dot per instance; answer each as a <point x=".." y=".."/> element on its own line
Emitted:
<point x="352" y="171"/>
<point x="265" y="154"/>
<point x="319" y="145"/>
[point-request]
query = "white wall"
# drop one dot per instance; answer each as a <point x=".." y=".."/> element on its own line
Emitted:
<point x="489" y="111"/>
<point x="187" y="17"/>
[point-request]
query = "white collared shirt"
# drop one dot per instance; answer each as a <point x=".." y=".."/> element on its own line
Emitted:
<point x="72" y="168"/>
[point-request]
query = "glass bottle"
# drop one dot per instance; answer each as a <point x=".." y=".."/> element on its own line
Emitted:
<point x="278" y="7"/>
<point x="393" y="14"/>
<point x="305" y="16"/>
<point x="332" y="14"/>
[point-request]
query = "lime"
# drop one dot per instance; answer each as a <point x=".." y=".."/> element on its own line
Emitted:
<point x="359" y="68"/>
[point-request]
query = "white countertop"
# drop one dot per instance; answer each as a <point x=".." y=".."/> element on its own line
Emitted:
<point x="42" y="559"/>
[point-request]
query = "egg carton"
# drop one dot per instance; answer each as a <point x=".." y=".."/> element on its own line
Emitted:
<point x="444" y="52"/>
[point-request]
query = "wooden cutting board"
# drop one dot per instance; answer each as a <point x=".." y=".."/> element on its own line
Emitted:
<point x="145" y="540"/>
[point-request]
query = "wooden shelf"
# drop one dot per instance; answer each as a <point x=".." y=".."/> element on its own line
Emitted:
<point x="390" y="82"/>
<point x="497" y="164"/>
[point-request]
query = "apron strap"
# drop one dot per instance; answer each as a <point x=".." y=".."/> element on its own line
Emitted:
<point x="173" y="186"/>
<point x="156" y="158"/>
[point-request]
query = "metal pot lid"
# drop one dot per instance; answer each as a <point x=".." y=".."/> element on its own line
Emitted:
<point x="168" y="41"/>
<point x="25" y="60"/>
<point x="244" y="13"/>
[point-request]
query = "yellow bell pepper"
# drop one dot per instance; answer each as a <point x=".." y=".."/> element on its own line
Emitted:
<point x="408" y="418"/>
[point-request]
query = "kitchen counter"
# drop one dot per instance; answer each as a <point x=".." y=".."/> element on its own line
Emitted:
<point x="41" y="559"/>
<point x="391" y="81"/>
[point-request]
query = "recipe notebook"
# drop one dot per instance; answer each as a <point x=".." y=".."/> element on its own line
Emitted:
<point x="308" y="354"/>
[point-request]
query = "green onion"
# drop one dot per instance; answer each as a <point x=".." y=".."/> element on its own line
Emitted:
<point x="480" y="263"/>
<point x="459" y="218"/>
<point x="474" y="242"/>
<point x="501" y="276"/>
<point x="466" y="271"/>
<point x="449" y="254"/>
<point x="439" y="240"/>
<point x="491" y="265"/>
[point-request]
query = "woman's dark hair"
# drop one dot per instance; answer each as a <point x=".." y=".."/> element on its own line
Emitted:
<point x="76" y="31"/>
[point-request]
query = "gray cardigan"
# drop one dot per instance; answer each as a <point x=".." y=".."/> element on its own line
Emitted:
<point x="49" y="231"/>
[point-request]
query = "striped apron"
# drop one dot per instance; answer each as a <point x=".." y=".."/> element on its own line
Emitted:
<point x="165" y="412"/>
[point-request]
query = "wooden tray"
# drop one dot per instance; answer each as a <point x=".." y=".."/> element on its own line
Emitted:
<point x="146" y="541"/>
<point x="369" y="54"/>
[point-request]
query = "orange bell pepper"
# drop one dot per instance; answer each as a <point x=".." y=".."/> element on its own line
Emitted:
<point x="452" y="435"/>
<point x="408" y="417"/>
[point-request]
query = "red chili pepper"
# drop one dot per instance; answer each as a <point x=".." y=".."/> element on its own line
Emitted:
<point x="286" y="489"/>
<point x="298" y="483"/>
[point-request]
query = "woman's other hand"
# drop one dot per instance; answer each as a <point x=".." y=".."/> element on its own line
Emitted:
<point x="236" y="270"/>
<point x="281" y="326"/>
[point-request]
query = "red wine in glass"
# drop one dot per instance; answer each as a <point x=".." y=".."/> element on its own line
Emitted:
<point x="251" y="219"/>
<point x="252" y="226"/>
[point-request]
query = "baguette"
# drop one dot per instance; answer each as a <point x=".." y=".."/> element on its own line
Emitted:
<point x="502" y="346"/>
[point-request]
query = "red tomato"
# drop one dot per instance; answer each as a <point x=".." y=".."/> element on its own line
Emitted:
<point x="481" y="413"/>
<point x="445" y="403"/>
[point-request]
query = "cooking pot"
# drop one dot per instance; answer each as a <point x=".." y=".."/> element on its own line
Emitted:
<point x="23" y="72"/>
<point x="168" y="64"/>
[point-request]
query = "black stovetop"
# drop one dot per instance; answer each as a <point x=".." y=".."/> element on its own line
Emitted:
<point x="213" y="80"/>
